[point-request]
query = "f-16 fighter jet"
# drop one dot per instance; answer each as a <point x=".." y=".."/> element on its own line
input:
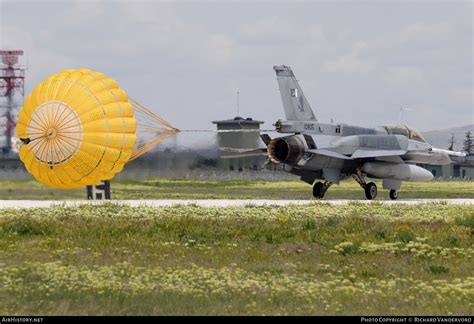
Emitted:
<point x="324" y="154"/>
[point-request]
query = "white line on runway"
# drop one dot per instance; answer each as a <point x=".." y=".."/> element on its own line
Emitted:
<point x="220" y="202"/>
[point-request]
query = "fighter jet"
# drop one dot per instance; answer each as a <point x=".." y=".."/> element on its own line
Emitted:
<point x="324" y="154"/>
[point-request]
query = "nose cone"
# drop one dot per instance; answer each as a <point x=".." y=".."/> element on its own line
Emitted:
<point x="444" y="159"/>
<point x="441" y="156"/>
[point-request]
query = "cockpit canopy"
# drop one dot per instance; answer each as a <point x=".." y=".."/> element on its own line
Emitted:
<point x="405" y="131"/>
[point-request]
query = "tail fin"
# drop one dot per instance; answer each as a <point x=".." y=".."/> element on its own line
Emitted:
<point x="294" y="102"/>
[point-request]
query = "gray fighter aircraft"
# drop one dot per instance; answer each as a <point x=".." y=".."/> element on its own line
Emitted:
<point x="334" y="152"/>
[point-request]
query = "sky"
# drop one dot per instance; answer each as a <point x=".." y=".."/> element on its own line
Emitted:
<point x="358" y="62"/>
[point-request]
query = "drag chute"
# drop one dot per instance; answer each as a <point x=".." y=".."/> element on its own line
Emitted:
<point x="79" y="128"/>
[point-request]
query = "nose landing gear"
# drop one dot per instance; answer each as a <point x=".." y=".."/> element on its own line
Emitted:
<point x="393" y="194"/>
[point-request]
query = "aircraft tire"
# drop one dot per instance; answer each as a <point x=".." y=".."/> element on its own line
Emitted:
<point x="318" y="190"/>
<point x="370" y="191"/>
<point x="393" y="194"/>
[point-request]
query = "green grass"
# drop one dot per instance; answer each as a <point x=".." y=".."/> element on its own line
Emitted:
<point x="297" y="260"/>
<point x="233" y="189"/>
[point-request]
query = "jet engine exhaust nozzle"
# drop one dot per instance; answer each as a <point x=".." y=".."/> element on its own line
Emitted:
<point x="287" y="149"/>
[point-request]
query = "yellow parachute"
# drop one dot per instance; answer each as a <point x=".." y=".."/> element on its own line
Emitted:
<point x="79" y="128"/>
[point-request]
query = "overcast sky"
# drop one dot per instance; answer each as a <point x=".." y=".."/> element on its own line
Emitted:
<point x="357" y="62"/>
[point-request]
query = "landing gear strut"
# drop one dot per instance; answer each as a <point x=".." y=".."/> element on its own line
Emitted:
<point x="319" y="189"/>
<point x="369" y="188"/>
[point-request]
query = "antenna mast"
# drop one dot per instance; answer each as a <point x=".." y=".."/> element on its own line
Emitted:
<point x="12" y="76"/>
<point x="451" y="142"/>
<point x="238" y="103"/>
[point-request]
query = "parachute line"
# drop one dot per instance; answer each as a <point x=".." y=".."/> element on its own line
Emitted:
<point x="152" y="130"/>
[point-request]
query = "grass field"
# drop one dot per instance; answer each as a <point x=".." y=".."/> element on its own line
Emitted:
<point x="233" y="189"/>
<point x="317" y="259"/>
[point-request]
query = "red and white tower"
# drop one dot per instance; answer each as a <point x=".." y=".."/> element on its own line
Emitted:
<point x="12" y="90"/>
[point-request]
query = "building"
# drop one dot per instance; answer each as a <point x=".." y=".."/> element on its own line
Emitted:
<point x="241" y="134"/>
<point x="461" y="167"/>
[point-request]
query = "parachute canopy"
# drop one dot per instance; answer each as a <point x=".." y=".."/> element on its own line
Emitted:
<point x="79" y="128"/>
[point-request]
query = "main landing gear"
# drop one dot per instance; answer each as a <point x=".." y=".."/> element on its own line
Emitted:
<point x="370" y="191"/>
<point x="370" y="188"/>
<point x="319" y="189"/>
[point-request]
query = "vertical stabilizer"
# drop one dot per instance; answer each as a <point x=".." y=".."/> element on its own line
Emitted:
<point x="294" y="102"/>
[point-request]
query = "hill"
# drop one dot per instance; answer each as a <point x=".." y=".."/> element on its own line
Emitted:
<point x="440" y="138"/>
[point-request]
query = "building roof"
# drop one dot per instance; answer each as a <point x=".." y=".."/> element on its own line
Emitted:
<point x="237" y="120"/>
<point x="464" y="161"/>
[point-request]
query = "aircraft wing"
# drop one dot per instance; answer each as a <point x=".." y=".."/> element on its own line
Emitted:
<point x="361" y="154"/>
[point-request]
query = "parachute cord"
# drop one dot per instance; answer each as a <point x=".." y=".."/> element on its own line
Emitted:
<point x="226" y="130"/>
<point x="153" y="130"/>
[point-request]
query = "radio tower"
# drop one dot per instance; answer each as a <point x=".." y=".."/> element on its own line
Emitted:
<point x="12" y="82"/>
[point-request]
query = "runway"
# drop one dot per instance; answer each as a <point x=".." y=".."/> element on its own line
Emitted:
<point x="220" y="202"/>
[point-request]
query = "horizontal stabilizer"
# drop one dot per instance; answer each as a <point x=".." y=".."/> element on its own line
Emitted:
<point x="329" y="153"/>
<point x="234" y="153"/>
<point x="266" y="138"/>
<point x="361" y="154"/>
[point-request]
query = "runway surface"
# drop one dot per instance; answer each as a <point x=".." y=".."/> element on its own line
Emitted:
<point x="220" y="202"/>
